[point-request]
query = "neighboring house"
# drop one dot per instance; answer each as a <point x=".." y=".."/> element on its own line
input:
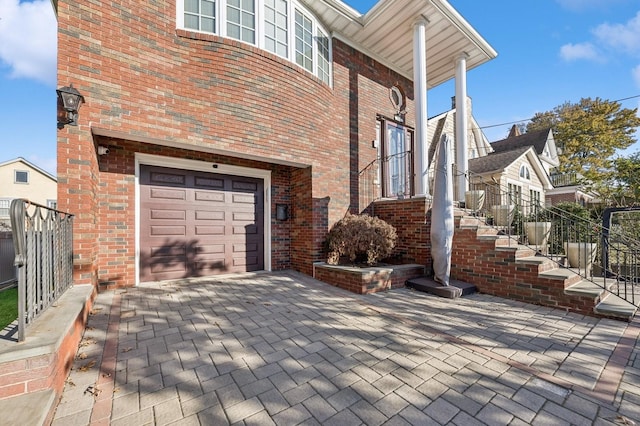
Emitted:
<point x="519" y="170"/>
<point x="239" y="132"/>
<point x="565" y="186"/>
<point x="477" y="145"/>
<point x="23" y="179"/>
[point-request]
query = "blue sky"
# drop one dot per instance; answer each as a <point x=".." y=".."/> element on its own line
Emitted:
<point x="549" y="52"/>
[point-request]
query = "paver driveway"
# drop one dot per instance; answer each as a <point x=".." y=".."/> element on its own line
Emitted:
<point x="283" y="348"/>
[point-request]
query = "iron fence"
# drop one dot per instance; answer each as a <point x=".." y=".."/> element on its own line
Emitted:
<point x="43" y="244"/>
<point x="565" y="233"/>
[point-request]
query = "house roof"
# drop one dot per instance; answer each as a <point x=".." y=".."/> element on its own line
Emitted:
<point x="537" y="139"/>
<point x="496" y="161"/>
<point x="31" y="165"/>
<point x="385" y="33"/>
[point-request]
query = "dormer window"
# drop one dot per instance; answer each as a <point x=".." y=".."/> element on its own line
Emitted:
<point x="524" y="172"/>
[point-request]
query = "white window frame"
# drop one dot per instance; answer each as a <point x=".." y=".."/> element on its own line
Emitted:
<point x="5" y="203"/>
<point x="292" y="5"/>
<point x="256" y="13"/>
<point x="526" y="171"/>
<point x="275" y="24"/>
<point x="15" y="177"/>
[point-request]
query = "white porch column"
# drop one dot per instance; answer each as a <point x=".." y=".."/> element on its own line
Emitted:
<point x="421" y="159"/>
<point x="462" y="127"/>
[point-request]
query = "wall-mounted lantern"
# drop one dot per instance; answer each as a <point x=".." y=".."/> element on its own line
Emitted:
<point x="69" y="101"/>
<point x="282" y="212"/>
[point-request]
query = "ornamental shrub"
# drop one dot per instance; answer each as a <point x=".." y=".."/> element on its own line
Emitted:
<point x="360" y="237"/>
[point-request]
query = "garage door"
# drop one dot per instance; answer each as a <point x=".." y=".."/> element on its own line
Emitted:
<point x="197" y="224"/>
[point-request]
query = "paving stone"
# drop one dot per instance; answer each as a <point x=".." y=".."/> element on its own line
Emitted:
<point x="167" y="412"/>
<point x="138" y="418"/>
<point x="319" y="408"/>
<point x="293" y="415"/>
<point x="464" y="419"/>
<point x="243" y="409"/>
<point x="545" y="418"/>
<point x="369" y="414"/>
<point x="514" y="408"/>
<point x="344" y="398"/>
<point x="441" y="410"/>
<point x="199" y="403"/>
<point x="493" y="415"/>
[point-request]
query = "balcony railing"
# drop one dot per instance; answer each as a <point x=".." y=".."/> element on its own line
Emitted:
<point x="564" y="179"/>
<point x="43" y="244"/>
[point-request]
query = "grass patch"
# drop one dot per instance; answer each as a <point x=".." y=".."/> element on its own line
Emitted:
<point x="8" y="307"/>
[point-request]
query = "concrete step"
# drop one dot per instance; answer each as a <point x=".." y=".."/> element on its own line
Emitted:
<point x="617" y="307"/>
<point x="34" y="408"/>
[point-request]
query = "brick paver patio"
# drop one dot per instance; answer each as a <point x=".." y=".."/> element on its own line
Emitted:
<point x="283" y="348"/>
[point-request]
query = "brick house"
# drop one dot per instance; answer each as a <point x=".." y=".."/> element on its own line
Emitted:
<point x="229" y="136"/>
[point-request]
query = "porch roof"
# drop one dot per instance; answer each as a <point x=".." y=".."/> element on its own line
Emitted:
<point x="385" y="33"/>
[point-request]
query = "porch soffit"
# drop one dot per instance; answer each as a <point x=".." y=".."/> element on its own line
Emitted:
<point x="386" y="34"/>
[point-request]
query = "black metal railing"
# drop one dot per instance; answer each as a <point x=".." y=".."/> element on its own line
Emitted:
<point x="43" y="244"/>
<point x="564" y="233"/>
<point x="387" y="177"/>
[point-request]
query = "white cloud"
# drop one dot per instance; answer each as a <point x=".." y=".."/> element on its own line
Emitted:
<point x="582" y="5"/>
<point x="622" y="37"/>
<point x="636" y="76"/>
<point x="28" y="31"/>
<point x="573" y="52"/>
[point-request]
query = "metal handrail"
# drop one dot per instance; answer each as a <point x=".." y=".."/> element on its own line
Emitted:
<point x="608" y="258"/>
<point x="43" y="243"/>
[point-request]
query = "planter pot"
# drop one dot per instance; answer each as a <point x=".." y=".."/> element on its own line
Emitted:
<point x="537" y="232"/>
<point x="474" y="200"/>
<point x="503" y="214"/>
<point x="580" y="255"/>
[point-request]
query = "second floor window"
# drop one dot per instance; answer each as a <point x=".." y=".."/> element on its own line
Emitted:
<point x="283" y="27"/>
<point x="241" y="20"/>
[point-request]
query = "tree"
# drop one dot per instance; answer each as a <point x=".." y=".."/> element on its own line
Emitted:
<point x="588" y="134"/>
<point x="624" y="188"/>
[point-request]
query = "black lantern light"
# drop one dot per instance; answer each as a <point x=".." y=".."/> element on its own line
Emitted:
<point x="69" y="101"/>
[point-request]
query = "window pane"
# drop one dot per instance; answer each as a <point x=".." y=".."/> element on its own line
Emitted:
<point x="200" y="15"/>
<point x="304" y="37"/>
<point x="191" y="6"/>
<point x="241" y="20"/>
<point x="22" y="177"/>
<point x="276" y="33"/>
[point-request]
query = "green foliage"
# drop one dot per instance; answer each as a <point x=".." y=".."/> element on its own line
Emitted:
<point x="8" y="306"/>
<point x="623" y="187"/>
<point x="588" y="134"/>
<point x="360" y="236"/>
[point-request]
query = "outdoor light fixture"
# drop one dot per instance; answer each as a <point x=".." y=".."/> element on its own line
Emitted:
<point x="282" y="212"/>
<point x="69" y="101"/>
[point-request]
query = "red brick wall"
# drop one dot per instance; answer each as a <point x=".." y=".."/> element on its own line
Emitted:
<point x="412" y="220"/>
<point x="204" y="93"/>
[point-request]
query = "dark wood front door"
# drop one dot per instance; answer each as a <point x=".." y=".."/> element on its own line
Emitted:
<point x="196" y="224"/>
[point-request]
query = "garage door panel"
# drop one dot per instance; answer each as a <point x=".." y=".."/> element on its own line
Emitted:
<point x="244" y="186"/>
<point x="243" y="199"/>
<point x="245" y="261"/>
<point x="216" y="197"/>
<point x="168" y="194"/>
<point x="210" y="230"/>
<point x="170" y="250"/>
<point x="167" y="214"/>
<point x="210" y="215"/>
<point x="168" y="178"/>
<point x="165" y="230"/>
<point x="199" y="223"/>
<point x="160" y="267"/>
<point x="207" y="182"/>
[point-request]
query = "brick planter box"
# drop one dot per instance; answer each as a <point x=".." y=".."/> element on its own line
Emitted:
<point x="367" y="280"/>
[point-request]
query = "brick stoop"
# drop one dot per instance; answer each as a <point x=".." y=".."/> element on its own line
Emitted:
<point x="367" y="280"/>
<point x="499" y="266"/>
<point x="33" y="372"/>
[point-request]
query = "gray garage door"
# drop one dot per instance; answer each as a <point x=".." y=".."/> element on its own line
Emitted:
<point x="198" y="224"/>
